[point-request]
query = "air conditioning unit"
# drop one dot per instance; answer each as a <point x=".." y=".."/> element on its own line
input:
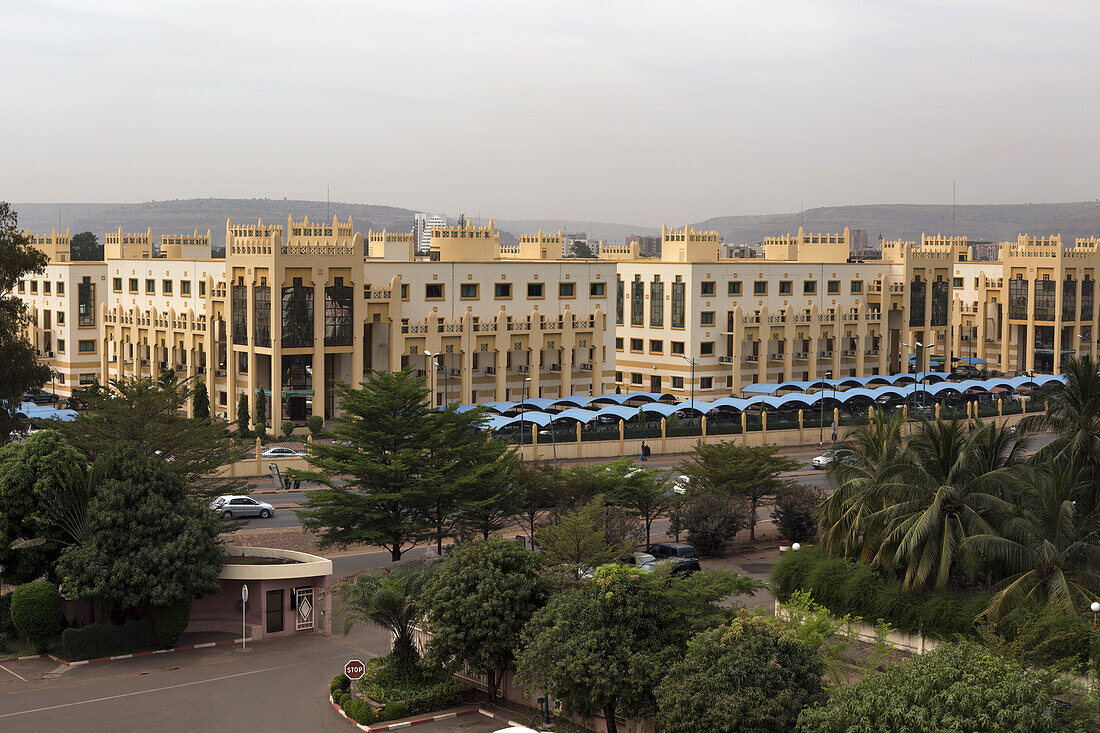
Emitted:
<point x="802" y="355"/>
<point x="725" y="359"/>
<point x="145" y="362"/>
<point x="491" y="370"/>
<point x="586" y="367"/>
<point x="753" y="358"/>
<point x="775" y="357"/>
<point x="555" y="367"/>
<point x="456" y="372"/>
<point x="524" y="369"/>
<point x="849" y="352"/>
<point x="827" y="352"/>
<point x="49" y="354"/>
<point x="872" y="352"/>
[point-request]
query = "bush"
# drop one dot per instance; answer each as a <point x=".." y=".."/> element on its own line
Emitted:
<point x="316" y="424"/>
<point x="36" y="612"/>
<point x="169" y="623"/>
<point x="107" y="640"/>
<point x="7" y="628"/>
<point x="394" y="710"/>
<point x="340" y="683"/>
<point x="407" y="687"/>
<point x="956" y="687"/>
<point x="794" y="512"/>
<point x="712" y="521"/>
<point x="359" y="710"/>
<point x="288" y="428"/>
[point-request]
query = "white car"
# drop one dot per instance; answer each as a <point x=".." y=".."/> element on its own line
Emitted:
<point x="235" y="507"/>
<point x="822" y="461"/>
<point x="279" y="451"/>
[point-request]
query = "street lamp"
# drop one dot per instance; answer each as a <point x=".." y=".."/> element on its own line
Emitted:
<point x="821" y="417"/>
<point x="522" y="409"/>
<point x="916" y="368"/>
<point x="691" y="360"/>
<point x="431" y="377"/>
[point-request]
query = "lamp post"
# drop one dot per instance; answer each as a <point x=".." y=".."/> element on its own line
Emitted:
<point x="1095" y="608"/>
<point x="522" y="409"/>
<point x="821" y="416"/>
<point x="431" y="377"/>
<point x="916" y="369"/>
<point x="691" y="360"/>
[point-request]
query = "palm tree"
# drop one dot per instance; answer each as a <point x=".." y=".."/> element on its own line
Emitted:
<point x="1048" y="541"/>
<point x="391" y="601"/>
<point x="869" y="456"/>
<point x="1073" y="416"/>
<point x="937" y="497"/>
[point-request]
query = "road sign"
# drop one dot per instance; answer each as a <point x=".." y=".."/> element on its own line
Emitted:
<point x="354" y="669"/>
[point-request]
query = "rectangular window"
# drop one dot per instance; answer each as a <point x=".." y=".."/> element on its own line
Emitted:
<point x="261" y="315"/>
<point x="706" y="288"/>
<point x="956" y="282"/>
<point x="706" y="348"/>
<point x="1069" y="300"/>
<point x="535" y="290"/>
<point x="1087" y="286"/>
<point x="940" y="297"/>
<point x="706" y="382"/>
<point x="618" y="343"/>
<point x="468" y="291"/>
<point x="637" y="302"/>
<point x="502" y="290"/>
<point x="433" y="291"/>
<point x="1044" y="300"/>
<point x="786" y="287"/>
<point x="297" y="312"/>
<point x="61" y="346"/>
<point x="857" y="287"/>
<point x="635" y="378"/>
<point x="678" y="294"/>
<point x="116" y="284"/>
<point x="656" y="303"/>
<point x="597" y="290"/>
<point x="86" y="379"/>
<point x="916" y="303"/>
<point x="166" y="287"/>
<point x="85" y="303"/>
<point x="150" y="286"/>
<point x="60" y="287"/>
<point x="809" y="287"/>
<point x="34" y="286"/>
<point x="656" y="346"/>
<point x="338" y="310"/>
<point x="676" y="347"/>
<point x="635" y="344"/>
<point x="185" y="288"/>
<point x="21" y="285"/>
<point x="47" y="287"/>
<point x="61" y="318"/>
<point x="734" y="287"/>
<point x="706" y="318"/>
<point x="238" y="302"/>
<point x="202" y="288"/>
<point x="832" y="287"/>
<point x="86" y="346"/>
<point x="619" y="302"/>
<point x="567" y="290"/>
<point x="133" y="285"/>
<point x="618" y="376"/>
<point x="760" y="287"/>
<point x="677" y="382"/>
<point x="404" y="291"/>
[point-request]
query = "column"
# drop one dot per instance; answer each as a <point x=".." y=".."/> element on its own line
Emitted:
<point x="567" y="361"/>
<point x="358" y="343"/>
<point x="467" y="360"/>
<point x="1005" y="326"/>
<point x="318" y="381"/>
<point x="500" y="360"/>
<point x="1029" y="346"/>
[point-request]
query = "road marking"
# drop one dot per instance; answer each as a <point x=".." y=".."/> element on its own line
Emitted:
<point x="143" y="692"/>
<point x="17" y="675"/>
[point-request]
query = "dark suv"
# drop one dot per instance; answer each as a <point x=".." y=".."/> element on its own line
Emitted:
<point x="684" y="557"/>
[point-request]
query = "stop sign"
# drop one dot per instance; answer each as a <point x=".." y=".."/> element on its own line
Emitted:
<point x="354" y="669"/>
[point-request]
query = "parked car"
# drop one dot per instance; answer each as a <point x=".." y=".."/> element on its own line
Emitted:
<point x="281" y="451"/>
<point x="822" y="461"/>
<point x="39" y="397"/>
<point x="638" y="559"/>
<point x="235" y="507"/>
<point x="684" y="557"/>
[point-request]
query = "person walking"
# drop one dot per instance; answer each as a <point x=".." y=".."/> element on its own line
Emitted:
<point x="645" y="451"/>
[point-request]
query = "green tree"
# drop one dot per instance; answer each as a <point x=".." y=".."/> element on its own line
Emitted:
<point x="36" y="612"/>
<point x="956" y="687"/>
<point x="200" y="402"/>
<point x="152" y="415"/>
<point x="578" y="542"/>
<point x="31" y="473"/>
<point x="646" y="494"/>
<point x="580" y="249"/>
<point x="795" y="512"/>
<point x="261" y="414"/>
<point x="539" y="484"/>
<point x="403" y="467"/>
<point x="478" y="600"/>
<point x="1047" y="541"/>
<point x="167" y="376"/>
<point x="85" y="246"/>
<point x="147" y="542"/>
<point x="748" y="677"/>
<point x="19" y="367"/>
<point x="738" y="470"/>
<point x="244" y="421"/>
<point x="712" y="520"/>
<point x="601" y="648"/>
<point x="390" y="600"/>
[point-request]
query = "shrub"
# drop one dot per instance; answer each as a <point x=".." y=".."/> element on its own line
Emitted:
<point x="394" y="710"/>
<point x="340" y="683"/>
<point x="107" y="640"/>
<point x="7" y="629"/>
<point x="958" y="687"/>
<point x="169" y="623"/>
<point x="358" y="710"/>
<point x="407" y="687"/>
<point x="794" y="512"/>
<point x="316" y="424"/>
<point x="288" y="428"/>
<point x="712" y="521"/>
<point x="36" y="612"/>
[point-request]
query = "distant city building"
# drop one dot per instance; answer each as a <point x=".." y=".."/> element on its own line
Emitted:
<point x="647" y="246"/>
<point x="740" y="251"/>
<point x="422" y="230"/>
<point x="984" y="250"/>
<point x="857" y="240"/>
<point x="567" y="240"/>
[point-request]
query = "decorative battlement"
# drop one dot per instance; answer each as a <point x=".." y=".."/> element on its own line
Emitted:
<point x="807" y="246"/>
<point x="1027" y="246"/>
<point x="688" y="234"/>
<point x="120" y="245"/>
<point x="185" y="240"/>
<point x="385" y="237"/>
<point x="540" y="238"/>
<point x="54" y="245"/>
<point x="305" y="228"/>
<point x="467" y="232"/>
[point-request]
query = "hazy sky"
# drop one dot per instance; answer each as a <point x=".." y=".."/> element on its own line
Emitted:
<point x="635" y="112"/>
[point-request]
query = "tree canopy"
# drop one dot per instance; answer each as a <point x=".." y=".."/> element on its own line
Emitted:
<point x="20" y="370"/>
<point x="578" y="543"/>
<point x="85" y="246"/>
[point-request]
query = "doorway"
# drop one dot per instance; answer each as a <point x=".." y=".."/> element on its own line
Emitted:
<point x="274" y="611"/>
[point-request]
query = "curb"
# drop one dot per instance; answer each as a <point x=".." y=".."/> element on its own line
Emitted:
<point x="189" y="647"/>
<point x="404" y="723"/>
<point x="495" y="716"/>
<point x="21" y="659"/>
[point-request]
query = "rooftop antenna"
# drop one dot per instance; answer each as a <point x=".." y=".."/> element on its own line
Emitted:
<point x="952" y="208"/>
<point x="328" y="203"/>
<point x="799" y="214"/>
<point x="59" y="217"/>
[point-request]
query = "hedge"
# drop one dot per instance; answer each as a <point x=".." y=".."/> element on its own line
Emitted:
<point x="402" y="690"/>
<point x="169" y="623"/>
<point x="107" y="640"/>
<point x="861" y="590"/>
<point x="36" y="612"/>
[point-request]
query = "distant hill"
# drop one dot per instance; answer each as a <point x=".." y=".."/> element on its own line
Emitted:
<point x="996" y="222"/>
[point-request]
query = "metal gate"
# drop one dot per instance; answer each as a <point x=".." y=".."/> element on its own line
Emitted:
<point x="303" y="601"/>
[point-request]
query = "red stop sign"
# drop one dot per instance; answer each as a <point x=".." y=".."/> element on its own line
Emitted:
<point x="354" y="669"/>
